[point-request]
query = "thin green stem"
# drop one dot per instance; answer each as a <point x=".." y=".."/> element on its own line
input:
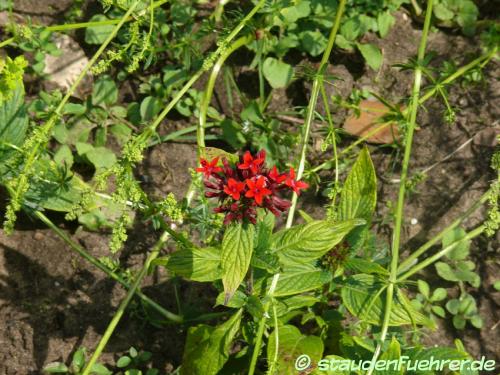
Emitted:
<point x="428" y="261"/>
<point x="84" y="25"/>
<point x="422" y="249"/>
<point x="47" y="127"/>
<point x="402" y="185"/>
<point x="312" y="105"/>
<point x="205" y="103"/>
<point x="262" y="325"/>
<point x="125" y="302"/>
<point x="94" y="261"/>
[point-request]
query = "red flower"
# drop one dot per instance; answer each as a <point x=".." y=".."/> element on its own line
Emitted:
<point x="294" y="184"/>
<point x="209" y="168"/>
<point x="234" y="188"/>
<point x="257" y="189"/>
<point x="253" y="164"/>
<point x="276" y="176"/>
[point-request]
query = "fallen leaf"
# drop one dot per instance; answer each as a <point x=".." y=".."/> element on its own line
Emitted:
<point x="369" y="121"/>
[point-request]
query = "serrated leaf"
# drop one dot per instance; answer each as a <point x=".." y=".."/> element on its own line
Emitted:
<point x="360" y="265"/>
<point x="278" y="73"/>
<point x="359" y="193"/>
<point x="207" y="348"/>
<point x="292" y="344"/>
<point x="306" y="242"/>
<point x="300" y="281"/>
<point x="372" y="55"/>
<point x="196" y="264"/>
<point x="237" y="248"/>
<point x="359" y="295"/>
<point x="13" y="124"/>
<point x="393" y="353"/>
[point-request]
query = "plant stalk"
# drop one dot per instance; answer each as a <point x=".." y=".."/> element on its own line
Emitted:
<point x="472" y="234"/>
<point x="123" y="305"/>
<point x="422" y="249"/>
<point x="94" y="261"/>
<point x="402" y="185"/>
<point x="318" y="80"/>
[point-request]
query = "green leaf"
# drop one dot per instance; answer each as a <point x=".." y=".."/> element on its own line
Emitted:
<point x="453" y="305"/>
<point x="360" y="265"/>
<point x="56" y="368"/>
<point x="300" y="281"/>
<point x="459" y="251"/>
<point x="439" y="311"/>
<point x="477" y="321"/>
<point x="78" y="360"/>
<point x="442" y="12"/>
<point x="384" y="22"/>
<point x="13" y="124"/>
<point x="237" y="300"/>
<point x="292" y="344"/>
<point x="277" y="73"/>
<point x="98" y="34"/>
<point x="423" y="287"/>
<point x="150" y="107"/>
<point x="301" y="10"/>
<point x="105" y="91"/>
<point x="237" y="248"/>
<point x="438" y="295"/>
<point x="351" y="29"/>
<point x="392" y="353"/>
<point x="360" y="296"/>
<point x="101" y="157"/>
<point x="313" y="42"/>
<point x="460" y="273"/>
<point x="123" y="361"/>
<point x="306" y="242"/>
<point x="359" y="193"/>
<point x="496" y="285"/>
<point x="64" y="156"/>
<point x="207" y="348"/>
<point x="196" y="264"/>
<point x="371" y="54"/>
<point x="98" y="369"/>
<point x="74" y="109"/>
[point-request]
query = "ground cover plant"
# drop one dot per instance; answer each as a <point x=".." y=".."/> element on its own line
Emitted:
<point x="287" y="246"/>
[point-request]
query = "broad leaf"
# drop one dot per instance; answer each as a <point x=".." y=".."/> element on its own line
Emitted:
<point x="237" y="248"/>
<point x="196" y="264"/>
<point x="98" y="34"/>
<point x="105" y="91"/>
<point x="391" y="356"/>
<point x="300" y="281"/>
<point x="460" y="250"/>
<point x="360" y="294"/>
<point x="371" y="54"/>
<point x="360" y="265"/>
<point x="277" y="73"/>
<point x="13" y="125"/>
<point x="207" y="348"/>
<point x="359" y="196"/>
<point x="306" y="242"/>
<point x="292" y="344"/>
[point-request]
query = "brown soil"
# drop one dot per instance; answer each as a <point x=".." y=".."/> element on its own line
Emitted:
<point x="52" y="301"/>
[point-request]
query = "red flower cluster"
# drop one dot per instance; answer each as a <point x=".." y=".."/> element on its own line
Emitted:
<point x="244" y="187"/>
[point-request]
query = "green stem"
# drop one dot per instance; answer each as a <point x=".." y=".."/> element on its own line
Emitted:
<point x="262" y="325"/>
<point x="47" y="127"/>
<point x="429" y="94"/>
<point x="422" y="249"/>
<point x="205" y="103"/>
<point x="472" y="234"/>
<point x="83" y="25"/>
<point x="402" y="185"/>
<point x="312" y="104"/>
<point x="94" y="261"/>
<point x="123" y="305"/>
